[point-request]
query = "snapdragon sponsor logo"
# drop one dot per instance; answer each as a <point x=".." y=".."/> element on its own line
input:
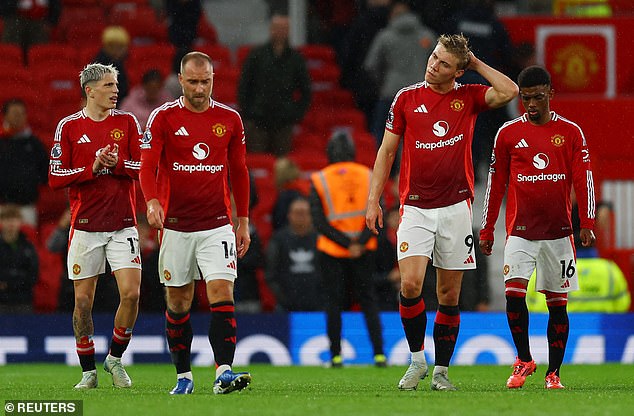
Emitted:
<point x="440" y="143"/>
<point x="197" y="168"/>
<point x="542" y="177"/>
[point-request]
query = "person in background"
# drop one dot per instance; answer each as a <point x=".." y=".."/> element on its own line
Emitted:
<point x="539" y="157"/>
<point x="183" y="17"/>
<point x="354" y="48"/>
<point x="145" y="97"/>
<point x="115" y="41"/>
<point x="434" y="120"/>
<point x="19" y="263"/>
<point x="274" y="92"/>
<point x="96" y="156"/>
<point x="292" y="271"/>
<point x="23" y="161"/>
<point x="395" y="57"/>
<point x="346" y="248"/>
<point x="29" y="22"/>
<point x="289" y="186"/>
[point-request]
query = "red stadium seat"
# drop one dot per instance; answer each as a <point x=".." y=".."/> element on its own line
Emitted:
<point x="158" y="56"/>
<point x="141" y="23"/>
<point x="318" y="56"/>
<point x="219" y="54"/>
<point x="226" y="94"/>
<point x="309" y="162"/>
<point x="325" y="78"/>
<point x="48" y="54"/>
<point x="11" y="54"/>
<point x="85" y="36"/>
<point x="87" y="53"/>
<point x="57" y="77"/>
<point x="12" y="76"/>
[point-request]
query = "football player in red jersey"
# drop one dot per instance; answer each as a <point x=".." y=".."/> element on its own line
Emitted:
<point x="435" y="120"/>
<point x="539" y="156"/>
<point x="96" y="155"/>
<point x="188" y="150"/>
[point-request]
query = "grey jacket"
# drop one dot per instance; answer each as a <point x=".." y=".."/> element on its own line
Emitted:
<point x="398" y="54"/>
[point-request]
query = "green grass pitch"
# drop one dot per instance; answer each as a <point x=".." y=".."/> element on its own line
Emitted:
<point x="355" y="390"/>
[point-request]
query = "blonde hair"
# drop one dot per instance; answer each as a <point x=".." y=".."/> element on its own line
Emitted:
<point x="115" y="34"/>
<point x="95" y="72"/>
<point x="285" y="171"/>
<point x="458" y="46"/>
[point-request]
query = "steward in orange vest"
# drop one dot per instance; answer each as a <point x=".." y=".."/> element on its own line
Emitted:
<point x="345" y="246"/>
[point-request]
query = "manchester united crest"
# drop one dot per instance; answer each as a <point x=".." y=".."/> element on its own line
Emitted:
<point x="167" y="275"/>
<point x="577" y="65"/>
<point x="557" y="140"/>
<point x="404" y="246"/>
<point x="116" y="135"/>
<point x="456" y="105"/>
<point x="219" y="129"/>
<point x="76" y="269"/>
<point x="506" y="270"/>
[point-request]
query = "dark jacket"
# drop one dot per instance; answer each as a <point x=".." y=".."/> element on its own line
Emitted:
<point x="268" y="84"/>
<point x="292" y="271"/>
<point x="23" y="168"/>
<point x="19" y="268"/>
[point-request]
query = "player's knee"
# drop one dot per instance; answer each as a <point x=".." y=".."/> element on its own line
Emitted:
<point x="410" y="288"/>
<point x="83" y="303"/>
<point x="130" y="297"/>
<point x="448" y="295"/>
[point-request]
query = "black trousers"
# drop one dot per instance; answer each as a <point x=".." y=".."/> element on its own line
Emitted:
<point x="338" y="275"/>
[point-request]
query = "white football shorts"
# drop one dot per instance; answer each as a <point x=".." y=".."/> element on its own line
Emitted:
<point x="442" y="234"/>
<point x="554" y="260"/>
<point x="188" y="256"/>
<point x="88" y="252"/>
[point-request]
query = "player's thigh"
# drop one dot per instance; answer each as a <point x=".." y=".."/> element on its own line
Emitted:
<point x="122" y="250"/>
<point x="556" y="266"/>
<point x="216" y="254"/>
<point x="177" y="258"/>
<point x="416" y="233"/>
<point x="454" y="246"/>
<point x="520" y="258"/>
<point x="86" y="254"/>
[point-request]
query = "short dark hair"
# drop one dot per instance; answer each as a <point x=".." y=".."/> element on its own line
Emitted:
<point x="152" y="75"/>
<point x="11" y="101"/>
<point x="533" y="76"/>
<point x="340" y="147"/>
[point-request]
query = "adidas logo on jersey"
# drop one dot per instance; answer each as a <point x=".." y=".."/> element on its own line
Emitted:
<point x="232" y="265"/>
<point x="181" y="132"/>
<point x="469" y="260"/>
<point x="421" y="109"/>
<point x="521" y="144"/>
<point x="566" y="284"/>
<point x="84" y="139"/>
<point x="137" y="260"/>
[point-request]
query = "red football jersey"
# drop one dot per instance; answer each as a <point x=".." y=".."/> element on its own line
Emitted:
<point x="437" y="131"/>
<point x="186" y="158"/>
<point x="539" y="164"/>
<point x="103" y="201"/>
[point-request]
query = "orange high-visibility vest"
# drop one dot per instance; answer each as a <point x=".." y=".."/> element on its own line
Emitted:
<point x="343" y="189"/>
